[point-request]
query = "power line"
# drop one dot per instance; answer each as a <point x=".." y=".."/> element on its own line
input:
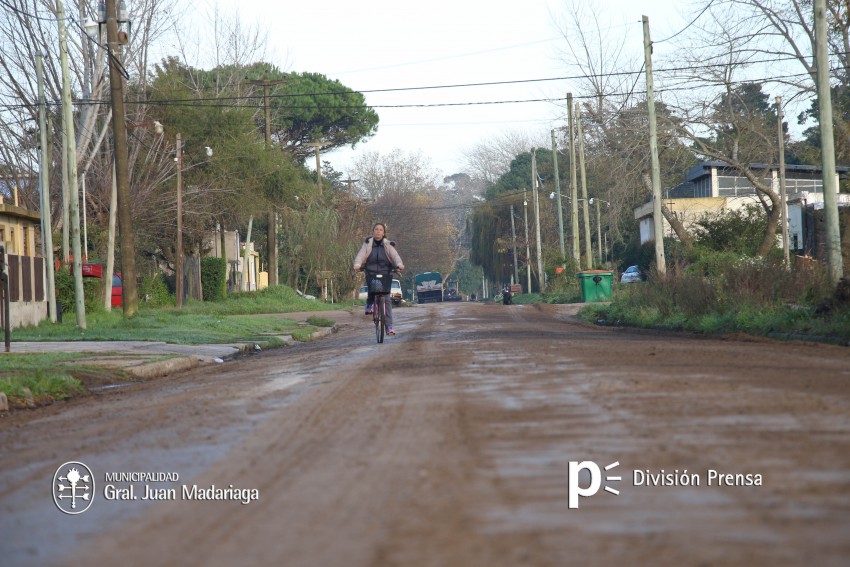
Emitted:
<point x="508" y="82"/>
<point x="687" y="26"/>
<point x="231" y="102"/>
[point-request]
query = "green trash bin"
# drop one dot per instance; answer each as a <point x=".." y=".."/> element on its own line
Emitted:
<point x="595" y="285"/>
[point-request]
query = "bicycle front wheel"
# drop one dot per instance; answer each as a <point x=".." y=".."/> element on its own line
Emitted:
<point x="380" y="322"/>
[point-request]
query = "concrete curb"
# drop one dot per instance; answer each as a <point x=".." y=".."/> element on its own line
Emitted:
<point x="163" y="367"/>
<point x="182" y="363"/>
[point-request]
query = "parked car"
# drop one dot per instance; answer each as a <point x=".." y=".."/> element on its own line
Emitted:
<point x="631" y="275"/>
<point x="395" y="292"/>
<point x="93" y="270"/>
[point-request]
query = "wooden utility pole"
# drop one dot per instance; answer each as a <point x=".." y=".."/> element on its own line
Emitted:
<point x="573" y="184"/>
<point x="513" y="240"/>
<point x="272" y="219"/>
<point x="558" y="197"/>
<point x="110" y="242"/>
<point x="834" y="262"/>
<point x="527" y="245"/>
<point x="70" y="153"/>
<point x="46" y="223"/>
<point x="66" y="206"/>
<point x="786" y="249"/>
<point x="130" y="300"/>
<point x="588" y="251"/>
<point x="658" y="221"/>
<point x="318" y="146"/>
<point x="178" y="280"/>
<point x="535" y="184"/>
<point x="598" y="233"/>
<point x="350" y="182"/>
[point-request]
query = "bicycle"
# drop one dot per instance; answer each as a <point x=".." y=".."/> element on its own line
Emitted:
<point x="380" y="286"/>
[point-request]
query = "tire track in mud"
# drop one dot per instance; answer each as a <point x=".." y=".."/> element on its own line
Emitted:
<point x="449" y="445"/>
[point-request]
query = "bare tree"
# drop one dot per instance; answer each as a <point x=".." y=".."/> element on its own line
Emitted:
<point x="492" y="158"/>
<point x="28" y="28"/>
<point x="406" y="196"/>
<point x="396" y="173"/>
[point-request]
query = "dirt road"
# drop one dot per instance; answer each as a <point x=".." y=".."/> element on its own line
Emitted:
<point x="451" y="444"/>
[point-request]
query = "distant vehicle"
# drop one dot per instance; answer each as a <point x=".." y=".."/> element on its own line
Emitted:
<point x="395" y="292"/>
<point x="93" y="270"/>
<point x="363" y="293"/>
<point x="632" y="275"/>
<point x="429" y="287"/>
<point x="451" y="292"/>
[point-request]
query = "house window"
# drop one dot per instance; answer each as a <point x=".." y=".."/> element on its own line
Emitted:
<point x="26" y="248"/>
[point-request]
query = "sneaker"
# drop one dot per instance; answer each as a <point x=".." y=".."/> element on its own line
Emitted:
<point x="390" y="333"/>
<point x="368" y="310"/>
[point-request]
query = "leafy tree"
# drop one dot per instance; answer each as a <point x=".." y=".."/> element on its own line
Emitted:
<point x="309" y="107"/>
<point x="240" y="179"/>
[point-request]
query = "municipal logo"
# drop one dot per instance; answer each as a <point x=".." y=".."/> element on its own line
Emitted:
<point x="590" y="471"/>
<point x="73" y="488"/>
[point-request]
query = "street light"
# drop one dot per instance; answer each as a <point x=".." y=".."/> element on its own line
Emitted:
<point x="156" y="124"/>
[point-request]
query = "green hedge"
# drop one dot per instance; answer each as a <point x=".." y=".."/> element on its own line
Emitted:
<point x="214" y="278"/>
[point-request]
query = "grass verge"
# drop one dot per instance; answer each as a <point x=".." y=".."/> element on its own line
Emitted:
<point x="35" y="379"/>
<point x="39" y="379"/>
<point x="712" y="306"/>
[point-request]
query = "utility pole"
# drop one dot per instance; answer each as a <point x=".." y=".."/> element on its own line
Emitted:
<point x="827" y="142"/>
<point x="513" y="240"/>
<point x="350" y="182"/>
<point x="317" y="145"/>
<point x="598" y="234"/>
<point x="786" y="249"/>
<point x="130" y="300"/>
<point x="110" y="242"/>
<point x="70" y="153"/>
<point x="573" y="184"/>
<point x="660" y="262"/>
<point x="85" y="221"/>
<point x="244" y="283"/>
<point x="558" y="197"/>
<point x="66" y="205"/>
<point x="178" y="280"/>
<point x="535" y="185"/>
<point x="46" y="223"/>
<point x="272" y="229"/>
<point x="527" y="246"/>
<point x="588" y="242"/>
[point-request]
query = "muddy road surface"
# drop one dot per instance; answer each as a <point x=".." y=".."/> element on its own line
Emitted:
<point x="481" y="435"/>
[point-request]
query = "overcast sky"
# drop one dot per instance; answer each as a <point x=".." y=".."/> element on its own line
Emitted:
<point x="382" y="44"/>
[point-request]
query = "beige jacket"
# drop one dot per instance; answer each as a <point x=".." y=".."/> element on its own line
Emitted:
<point x="366" y="249"/>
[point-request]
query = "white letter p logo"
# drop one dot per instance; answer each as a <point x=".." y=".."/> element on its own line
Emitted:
<point x="595" y="481"/>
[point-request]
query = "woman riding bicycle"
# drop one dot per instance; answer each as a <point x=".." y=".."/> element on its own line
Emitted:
<point x="378" y="256"/>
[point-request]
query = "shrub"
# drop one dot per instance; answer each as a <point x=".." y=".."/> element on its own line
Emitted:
<point x="214" y="278"/>
<point x="154" y="290"/>
<point x="739" y="230"/>
<point x="92" y="292"/>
